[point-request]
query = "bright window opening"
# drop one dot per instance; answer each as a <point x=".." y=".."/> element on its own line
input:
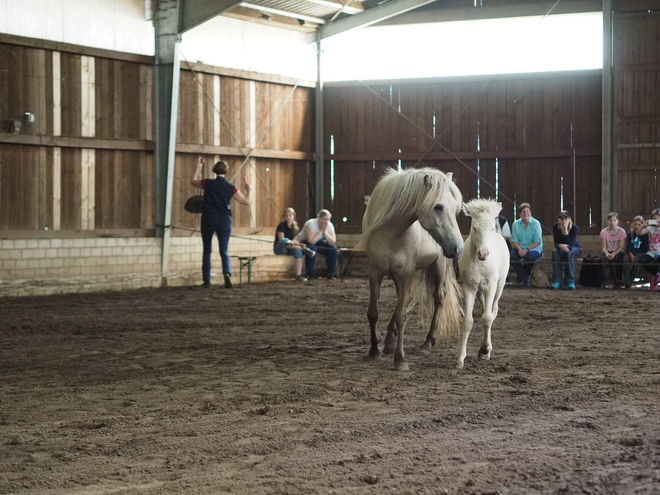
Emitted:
<point x="490" y="46"/>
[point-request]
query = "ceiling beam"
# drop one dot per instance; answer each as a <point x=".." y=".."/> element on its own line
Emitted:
<point x="196" y="12"/>
<point x="438" y="13"/>
<point x="368" y="17"/>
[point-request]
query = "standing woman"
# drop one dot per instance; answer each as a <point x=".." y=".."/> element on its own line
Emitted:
<point x="651" y="260"/>
<point x="613" y="244"/>
<point x="636" y="246"/>
<point x="216" y="215"/>
<point x="567" y="248"/>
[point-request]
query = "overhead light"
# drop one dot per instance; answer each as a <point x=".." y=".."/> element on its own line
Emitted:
<point x="301" y="22"/>
<point x="265" y="16"/>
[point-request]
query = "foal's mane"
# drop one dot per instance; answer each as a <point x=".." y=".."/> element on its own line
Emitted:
<point x="400" y="193"/>
<point x="478" y="207"/>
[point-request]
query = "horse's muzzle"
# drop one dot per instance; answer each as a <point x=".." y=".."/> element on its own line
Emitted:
<point x="453" y="252"/>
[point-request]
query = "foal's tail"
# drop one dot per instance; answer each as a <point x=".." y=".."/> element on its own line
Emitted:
<point x="451" y="312"/>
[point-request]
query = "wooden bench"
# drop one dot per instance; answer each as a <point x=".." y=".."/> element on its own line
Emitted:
<point x="245" y="262"/>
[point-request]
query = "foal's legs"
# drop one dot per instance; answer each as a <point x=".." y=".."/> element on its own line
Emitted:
<point x="375" y="280"/>
<point x="487" y="317"/>
<point x="469" y="296"/>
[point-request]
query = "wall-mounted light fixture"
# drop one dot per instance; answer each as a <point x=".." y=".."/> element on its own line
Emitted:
<point x="28" y="117"/>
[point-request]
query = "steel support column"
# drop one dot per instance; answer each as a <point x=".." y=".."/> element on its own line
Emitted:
<point x="167" y="22"/>
<point x="607" y="113"/>
<point x="320" y="164"/>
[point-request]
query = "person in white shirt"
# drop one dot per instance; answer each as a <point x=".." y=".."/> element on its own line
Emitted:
<point x="319" y="235"/>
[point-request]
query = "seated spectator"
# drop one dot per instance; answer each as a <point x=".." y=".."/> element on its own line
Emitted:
<point x="527" y="244"/>
<point x="636" y="246"/>
<point x="651" y="260"/>
<point x="319" y="235"/>
<point x="613" y="240"/>
<point x="567" y="248"/>
<point x="286" y="243"/>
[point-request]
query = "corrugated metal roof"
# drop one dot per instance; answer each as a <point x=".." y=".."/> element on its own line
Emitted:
<point x="315" y="11"/>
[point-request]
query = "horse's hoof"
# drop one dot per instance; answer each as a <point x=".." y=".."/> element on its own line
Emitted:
<point x="426" y="348"/>
<point x="374" y="354"/>
<point x="459" y="365"/>
<point x="483" y="355"/>
<point x="389" y="349"/>
<point x="401" y="366"/>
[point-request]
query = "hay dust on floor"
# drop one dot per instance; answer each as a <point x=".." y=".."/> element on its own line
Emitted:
<point x="265" y="389"/>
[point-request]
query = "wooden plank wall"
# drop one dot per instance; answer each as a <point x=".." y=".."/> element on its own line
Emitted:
<point x="537" y="138"/>
<point x="246" y="123"/>
<point x="636" y="140"/>
<point x="85" y="163"/>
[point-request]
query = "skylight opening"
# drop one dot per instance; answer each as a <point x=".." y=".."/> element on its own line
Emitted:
<point x="479" y="47"/>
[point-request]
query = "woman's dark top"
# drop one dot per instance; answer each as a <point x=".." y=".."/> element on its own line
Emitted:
<point x="286" y="230"/>
<point x="217" y="196"/>
<point x="570" y="239"/>
<point x="637" y="244"/>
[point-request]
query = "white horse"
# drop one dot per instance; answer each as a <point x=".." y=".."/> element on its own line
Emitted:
<point x="483" y="268"/>
<point x="409" y="233"/>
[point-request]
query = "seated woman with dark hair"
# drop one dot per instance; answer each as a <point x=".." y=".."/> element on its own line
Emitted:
<point x="636" y="247"/>
<point x="567" y="248"/>
<point x="651" y="260"/>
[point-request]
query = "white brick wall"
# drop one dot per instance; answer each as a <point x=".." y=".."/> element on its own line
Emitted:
<point x="49" y="266"/>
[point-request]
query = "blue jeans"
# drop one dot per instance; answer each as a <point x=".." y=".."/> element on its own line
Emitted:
<point x="224" y="233"/>
<point x="563" y="260"/>
<point x="280" y="248"/>
<point x="331" y="254"/>
<point x="523" y="266"/>
<point x="650" y="263"/>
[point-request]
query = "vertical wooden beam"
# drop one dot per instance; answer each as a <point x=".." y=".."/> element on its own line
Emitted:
<point x="57" y="131"/>
<point x="201" y="97"/>
<point x="57" y="188"/>
<point x="146" y="105"/>
<point x="87" y="96"/>
<point x="57" y="94"/>
<point x="252" y="143"/>
<point x="87" y="129"/>
<point x="216" y="110"/>
<point x="607" y="115"/>
<point x="87" y="190"/>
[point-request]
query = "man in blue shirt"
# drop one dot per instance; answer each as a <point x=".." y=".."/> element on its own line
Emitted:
<point x="527" y="244"/>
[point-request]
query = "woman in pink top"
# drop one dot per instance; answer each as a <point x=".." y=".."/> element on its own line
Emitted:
<point x="613" y="244"/>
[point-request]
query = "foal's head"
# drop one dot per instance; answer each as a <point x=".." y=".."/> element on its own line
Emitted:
<point x="484" y="213"/>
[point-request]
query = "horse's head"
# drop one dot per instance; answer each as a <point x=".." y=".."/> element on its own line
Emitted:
<point x="484" y="214"/>
<point x="437" y="213"/>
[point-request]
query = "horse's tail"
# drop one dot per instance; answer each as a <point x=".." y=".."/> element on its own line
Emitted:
<point x="451" y="313"/>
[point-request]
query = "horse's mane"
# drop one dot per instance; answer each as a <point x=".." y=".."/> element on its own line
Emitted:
<point x="477" y="207"/>
<point x="399" y="193"/>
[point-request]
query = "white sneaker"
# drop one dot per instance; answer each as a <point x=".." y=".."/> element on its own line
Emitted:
<point x="309" y="252"/>
<point x="300" y="278"/>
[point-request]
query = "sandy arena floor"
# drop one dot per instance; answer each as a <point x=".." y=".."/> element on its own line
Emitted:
<point x="265" y="389"/>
